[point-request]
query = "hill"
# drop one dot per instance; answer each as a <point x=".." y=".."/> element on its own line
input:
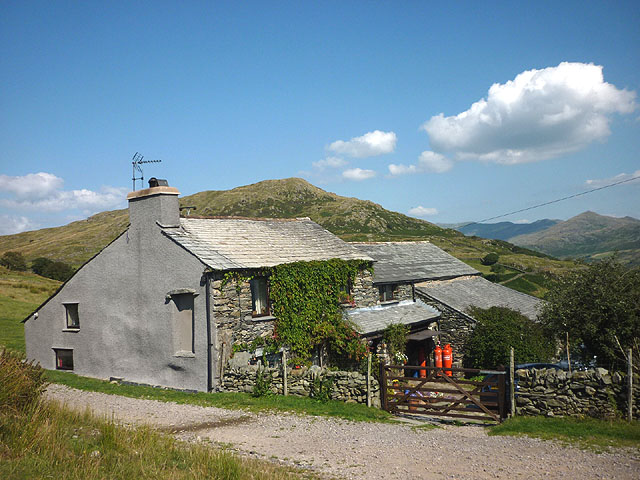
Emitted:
<point x="350" y="218"/>
<point x="504" y="230"/>
<point x="588" y="236"/>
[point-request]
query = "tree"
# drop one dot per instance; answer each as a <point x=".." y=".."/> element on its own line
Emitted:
<point x="598" y="306"/>
<point x="499" y="328"/>
<point x="14" y="261"/>
<point x="490" y="258"/>
<point x="51" y="269"/>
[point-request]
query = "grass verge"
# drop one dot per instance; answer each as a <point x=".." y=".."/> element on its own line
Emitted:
<point x="235" y="401"/>
<point x="45" y="440"/>
<point x="586" y="433"/>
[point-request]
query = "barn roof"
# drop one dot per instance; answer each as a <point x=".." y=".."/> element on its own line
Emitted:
<point x="398" y="262"/>
<point x="227" y="243"/>
<point x="464" y="292"/>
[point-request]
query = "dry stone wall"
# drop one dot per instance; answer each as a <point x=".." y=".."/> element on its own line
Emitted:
<point x="348" y="387"/>
<point x="594" y="393"/>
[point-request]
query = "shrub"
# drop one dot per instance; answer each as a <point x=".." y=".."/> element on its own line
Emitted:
<point x="395" y="336"/>
<point x="262" y="387"/>
<point x="490" y="258"/>
<point x="321" y="388"/>
<point x="21" y="383"/>
<point x="498" y="329"/>
<point x="14" y="261"/>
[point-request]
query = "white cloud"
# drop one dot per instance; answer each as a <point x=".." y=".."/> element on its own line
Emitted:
<point x="38" y="185"/>
<point x="43" y="191"/>
<point x="10" y="225"/>
<point x="540" y="114"/>
<point x="329" y="162"/>
<point x="618" y="178"/>
<point x="428" y="162"/>
<point x="358" y="174"/>
<point x="368" y="145"/>
<point x="522" y="221"/>
<point x="421" y="211"/>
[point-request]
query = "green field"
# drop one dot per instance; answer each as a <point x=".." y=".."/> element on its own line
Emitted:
<point x="20" y="294"/>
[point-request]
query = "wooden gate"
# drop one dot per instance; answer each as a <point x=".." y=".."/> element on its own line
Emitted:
<point x="438" y="394"/>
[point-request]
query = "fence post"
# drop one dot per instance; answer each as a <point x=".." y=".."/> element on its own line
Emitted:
<point x="630" y="385"/>
<point x="383" y="385"/>
<point x="502" y="395"/>
<point x="369" y="379"/>
<point x="512" y="387"/>
<point x="285" y="390"/>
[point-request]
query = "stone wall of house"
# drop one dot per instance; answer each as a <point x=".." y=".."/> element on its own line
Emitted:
<point x="403" y="292"/>
<point x="593" y="393"/>
<point x="231" y="303"/>
<point x="455" y="326"/>
<point x="363" y="291"/>
<point x="348" y="387"/>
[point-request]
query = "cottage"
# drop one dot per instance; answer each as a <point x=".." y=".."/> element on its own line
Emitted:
<point x="157" y="306"/>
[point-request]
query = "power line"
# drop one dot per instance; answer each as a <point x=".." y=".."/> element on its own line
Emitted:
<point x="553" y="201"/>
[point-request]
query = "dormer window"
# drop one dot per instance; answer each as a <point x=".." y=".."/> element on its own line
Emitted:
<point x="259" y="297"/>
<point x="386" y="292"/>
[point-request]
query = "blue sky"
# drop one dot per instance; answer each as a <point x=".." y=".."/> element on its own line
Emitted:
<point x="452" y="111"/>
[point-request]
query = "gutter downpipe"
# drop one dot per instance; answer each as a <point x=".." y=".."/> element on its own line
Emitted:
<point x="209" y="342"/>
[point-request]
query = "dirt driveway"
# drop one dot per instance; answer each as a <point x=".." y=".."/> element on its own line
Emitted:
<point x="356" y="450"/>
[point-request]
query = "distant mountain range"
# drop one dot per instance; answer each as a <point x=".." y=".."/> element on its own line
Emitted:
<point x="588" y="236"/>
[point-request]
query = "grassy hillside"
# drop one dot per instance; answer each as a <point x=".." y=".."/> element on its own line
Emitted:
<point x="20" y="294"/>
<point x="350" y="218"/>
<point x="587" y="236"/>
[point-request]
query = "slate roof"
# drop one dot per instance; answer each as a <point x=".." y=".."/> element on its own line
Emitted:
<point x="461" y="293"/>
<point x="371" y="320"/>
<point x="226" y="243"/>
<point x="398" y="262"/>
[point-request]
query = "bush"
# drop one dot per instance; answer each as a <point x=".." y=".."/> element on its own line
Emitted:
<point x="395" y="336"/>
<point x="321" y="388"/>
<point x="262" y="387"/>
<point x="490" y="258"/>
<point x="14" y="261"/>
<point x="21" y="383"/>
<point x="498" y="329"/>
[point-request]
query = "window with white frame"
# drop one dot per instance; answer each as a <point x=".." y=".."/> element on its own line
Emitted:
<point x="64" y="358"/>
<point x="259" y="297"/>
<point x="73" y="320"/>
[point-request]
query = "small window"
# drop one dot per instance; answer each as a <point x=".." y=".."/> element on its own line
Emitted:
<point x="183" y="323"/>
<point x="386" y="293"/>
<point x="73" y="320"/>
<point x="64" y="359"/>
<point x="259" y="297"/>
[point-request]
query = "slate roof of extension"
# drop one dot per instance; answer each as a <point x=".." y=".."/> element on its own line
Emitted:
<point x="226" y="243"/>
<point x="461" y="293"/>
<point x="371" y="320"/>
<point x="398" y="262"/>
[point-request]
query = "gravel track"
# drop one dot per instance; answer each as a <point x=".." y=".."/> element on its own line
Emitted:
<point x="358" y="450"/>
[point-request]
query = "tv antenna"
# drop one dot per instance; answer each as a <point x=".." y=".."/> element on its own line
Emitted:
<point x="136" y="162"/>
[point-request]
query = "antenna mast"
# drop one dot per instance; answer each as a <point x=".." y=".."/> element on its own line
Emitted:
<point x="136" y="162"/>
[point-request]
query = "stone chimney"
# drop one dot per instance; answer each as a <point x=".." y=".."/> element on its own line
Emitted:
<point x="156" y="204"/>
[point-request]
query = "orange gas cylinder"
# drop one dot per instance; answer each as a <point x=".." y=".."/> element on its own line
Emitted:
<point x="447" y="358"/>
<point x="438" y="355"/>
<point x="422" y="362"/>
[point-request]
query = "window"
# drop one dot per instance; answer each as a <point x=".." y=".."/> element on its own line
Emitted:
<point x="183" y="323"/>
<point x="259" y="297"/>
<point x="73" y="320"/>
<point x="386" y="293"/>
<point x="64" y="359"/>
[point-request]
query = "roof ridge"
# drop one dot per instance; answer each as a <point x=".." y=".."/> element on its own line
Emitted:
<point x="235" y="217"/>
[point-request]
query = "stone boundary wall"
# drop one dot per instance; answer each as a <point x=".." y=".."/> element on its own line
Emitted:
<point x="593" y="393"/>
<point x="350" y="387"/>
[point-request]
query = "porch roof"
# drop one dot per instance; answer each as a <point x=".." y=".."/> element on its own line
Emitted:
<point x="371" y="320"/>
